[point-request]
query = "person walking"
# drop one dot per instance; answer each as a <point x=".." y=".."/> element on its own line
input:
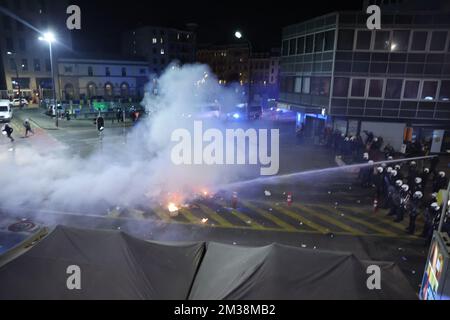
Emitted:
<point x="27" y="127"/>
<point x="8" y="130"/>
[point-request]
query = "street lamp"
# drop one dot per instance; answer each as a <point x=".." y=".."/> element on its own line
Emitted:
<point x="49" y="37"/>
<point x="239" y="36"/>
<point x="9" y="53"/>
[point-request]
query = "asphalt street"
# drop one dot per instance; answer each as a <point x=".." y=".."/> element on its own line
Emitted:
<point x="330" y="211"/>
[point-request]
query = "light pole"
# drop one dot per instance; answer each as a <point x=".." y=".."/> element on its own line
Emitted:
<point x="9" y="53"/>
<point x="49" y="37"/>
<point x="239" y="36"/>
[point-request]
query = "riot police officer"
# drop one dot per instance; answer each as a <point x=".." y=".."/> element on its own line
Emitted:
<point x="413" y="209"/>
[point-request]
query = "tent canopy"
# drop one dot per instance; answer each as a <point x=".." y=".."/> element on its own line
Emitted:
<point x="115" y="265"/>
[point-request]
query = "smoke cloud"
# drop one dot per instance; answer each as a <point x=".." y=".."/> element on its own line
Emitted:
<point x="119" y="174"/>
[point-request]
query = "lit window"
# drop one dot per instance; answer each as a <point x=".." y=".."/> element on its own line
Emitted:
<point x="154" y="40"/>
<point x="162" y="51"/>
<point x="429" y="90"/>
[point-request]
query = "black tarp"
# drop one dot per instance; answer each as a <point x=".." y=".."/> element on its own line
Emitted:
<point x="115" y="265"/>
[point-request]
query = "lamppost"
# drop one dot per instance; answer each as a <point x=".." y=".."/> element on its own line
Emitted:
<point x="239" y="36"/>
<point x="49" y="37"/>
<point x="9" y="53"/>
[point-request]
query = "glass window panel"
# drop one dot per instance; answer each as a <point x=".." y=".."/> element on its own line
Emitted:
<point x="400" y="40"/>
<point x="419" y="40"/>
<point x="376" y="88"/>
<point x="340" y="87"/>
<point x="358" y="87"/>
<point x="292" y="46"/>
<point x="411" y="89"/>
<point x="393" y="88"/>
<point x="298" y="85"/>
<point x="318" y="42"/>
<point x="329" y="40"/>
<point x="345" y="39"/>
<point x="429" y="90"/>
<point x="382" y="41"/>
<point x="438" y="40"/>
<point x="306" y="85"/>
<point x="285" y="47"/>
<point x="309" y="44"/>
<point x="363" y="39"/>
<point x="301" y="45"/>
<point x="444" y="93"/>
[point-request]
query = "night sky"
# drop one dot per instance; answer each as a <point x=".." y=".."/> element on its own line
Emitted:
<point x="261" y="21"/>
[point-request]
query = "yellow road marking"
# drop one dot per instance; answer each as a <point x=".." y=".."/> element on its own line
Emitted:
<point x="330" y="220"/>
<point x="364" y="223"/>
<point x="384" y="219"/>
<point x="245" y="218"/>
<point x="294" y="215"/>
<point x="189" y="215"/>
<point x="214" y="215"/>
<point x="269" y="216"/>
<point x="164" y="216"/>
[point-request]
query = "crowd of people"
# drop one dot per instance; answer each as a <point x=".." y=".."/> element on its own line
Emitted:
<point x="401" y="187"/>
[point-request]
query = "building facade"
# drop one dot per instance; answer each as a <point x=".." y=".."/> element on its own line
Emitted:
<point x="26" y="60"/>
<point x="334" y="71"/>
<point x="264" y="70"/>
<point x="81" y="79"/>
<point x="160" y="46"/>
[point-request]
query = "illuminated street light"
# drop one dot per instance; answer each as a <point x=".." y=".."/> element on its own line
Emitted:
<point x="238" y="34"/>
<point x="49" y="37"/>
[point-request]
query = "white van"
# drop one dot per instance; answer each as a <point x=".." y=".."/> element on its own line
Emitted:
<point x="5" y="111"/>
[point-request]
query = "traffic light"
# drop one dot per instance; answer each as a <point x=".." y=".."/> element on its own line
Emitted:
<point x="100" y="123"/>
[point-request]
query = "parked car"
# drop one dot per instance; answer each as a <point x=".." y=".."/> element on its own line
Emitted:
<point x="6" y="112"/>
<point x="17" y="102"/>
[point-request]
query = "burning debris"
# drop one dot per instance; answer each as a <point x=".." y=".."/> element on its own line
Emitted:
<point x="204" y="220"/>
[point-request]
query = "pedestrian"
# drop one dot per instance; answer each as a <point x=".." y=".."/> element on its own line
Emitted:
<point x="404" y="202"/>
<point x="413" y="210"/>
<point x="8" y="130"/>
<point x="394" y="200"/>
<point x="119" y="116"/>
<point x="425" y="174"/>
<point x="440" y="182"/>
<point x="27" y="127"/>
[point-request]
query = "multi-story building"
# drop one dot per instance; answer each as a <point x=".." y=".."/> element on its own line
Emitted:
<point x="25" y="60"/>
<point x="160" y="46"/>
<point x="233" y="63"/>
<point x="335" y="71"/>
<point x="264" y="69"/>
<point x="108" y="79"/>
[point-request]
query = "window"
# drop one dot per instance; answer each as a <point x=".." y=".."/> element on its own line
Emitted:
<point x="124" y="72"/>
<point x="329" y="40"/>
<point x="154" y="40"/>
<point x="363" y="39"/>
<point x="345" y="39"/>
<point x="419" y="40"/>
<point x="37" y="65"/>
<point x="309" y="44"/>
<point x="48" y="65"/>
<point x="318" y="42"/>
<point x="300" y="46"/>
<point x="292" y="46"/>
<point x="109" y="89"/>
<point x="162" y="50"/>
<point x="12" y="64"/>
<point x="9" y="44"/>
<point x="306" y="85"/>
<point x="315" y="86"/>
<point x="67" y="69"/>
<point x="298" y="85"/>
<point x="382" y="41"/>
<point x="6" y="23"/>
<point x="142" y="71"/>
<point x="285" y="48"/>
<point x="438" y="40"/>
<point x="358" y="87"/>
<point x="400" y="40"/>
<point x="22" y="46"/>
<point x="25" y="64"/>
<point x="90" y="71"/>
<point x="340" y="87"/>
<point x="411" y="89"/>
<point x="444" y="93"/>
<point x="376" y="88"/>
<point x="429" y="90"/>
<point x="107" y="71"/>
<point x="393" y="88"/>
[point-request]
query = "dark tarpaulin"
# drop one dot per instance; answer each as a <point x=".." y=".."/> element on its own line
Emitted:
<point x="113" y="265"/>
<point x="281" y="272"/>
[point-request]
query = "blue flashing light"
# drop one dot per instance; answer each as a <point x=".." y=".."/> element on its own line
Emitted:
<point x="236" y="116"/>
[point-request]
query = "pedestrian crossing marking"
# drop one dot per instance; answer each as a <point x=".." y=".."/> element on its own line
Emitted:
<point x="330" y="220"/>
<point x="189" y="216"/>
<point x="362" y="222"/>
<point x="245" y="218"/>
<point x="214" y="215"/>
<point x="302" y="219"/>
<point x="269" y="216"/>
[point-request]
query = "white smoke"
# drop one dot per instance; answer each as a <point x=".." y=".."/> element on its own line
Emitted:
<point x="122" y="174"/>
